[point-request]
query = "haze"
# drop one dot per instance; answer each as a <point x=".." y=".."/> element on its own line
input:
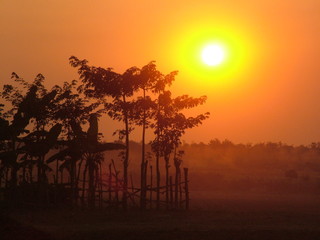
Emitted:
<point x="271" y="95"/>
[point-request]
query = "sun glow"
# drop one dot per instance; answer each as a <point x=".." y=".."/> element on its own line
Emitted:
<point x="213" y="55"/>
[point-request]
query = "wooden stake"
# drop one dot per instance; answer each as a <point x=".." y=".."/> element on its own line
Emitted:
<point x="100" y="195"/>
<point x="186" y="187"/>
<point x="132" y="189"/>
<point x="109" y="183"/>
<point x="151" y="176"/>
<point x="180" y="192"/>
<point x="83" y="184"/>
<point x="117" y="184"/>
<point x="171" y="192"/>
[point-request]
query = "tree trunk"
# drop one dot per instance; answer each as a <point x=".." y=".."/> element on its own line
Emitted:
<point x="57" y="172"/>
<point x="142" y="183"/>
<point x="180" y="192"/>
<point x="84" y="183"/>
<point x="39" y="169"/>
<point x="24" y="174"/>
<point x="116" y="184"/>
<point x="7" y="178"/>
<point x="177" y="183"/>
<point x="14" y="175"/>
<point x="158" y="180"/>
<point x="186" y="187"/>
<point x="126" y="160"/>
<point x="73" y="174"/>
<point x="151" y="186"/>
<point x="110" y="184"/>
<point x="77" y="177"/>
<point x="31" y="172"/>
<point x="91" y="190"/>
<point x="167" y="180"/>
<point x="171" y="191"/>
<point x="100" y="187"/>
<point x="14" y="170"/>
<point x="158" y="157"/>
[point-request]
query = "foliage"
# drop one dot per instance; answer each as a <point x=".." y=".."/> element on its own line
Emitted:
<point x="41" y="127"/>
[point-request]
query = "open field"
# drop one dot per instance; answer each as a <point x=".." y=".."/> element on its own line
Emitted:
<point x="219" y="216"/>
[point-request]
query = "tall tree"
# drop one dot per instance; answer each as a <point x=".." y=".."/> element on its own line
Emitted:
<point x="101" y="83"/>
<point x="160" y="88"/>
<point x="171" y="124"/>
<point x="149" y="78"/>
<point x="121" y="109"/>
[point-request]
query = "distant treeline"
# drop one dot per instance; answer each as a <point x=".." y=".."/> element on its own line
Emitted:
<point x="224" y="166"/>
<point x="269" y="166"/>
<point x="270" y="155"/>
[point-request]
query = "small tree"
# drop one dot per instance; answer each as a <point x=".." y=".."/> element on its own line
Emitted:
<point x="34" y="106"/>
<point x="170" y="126"/>
<point x="151" y="82"/>
<point x="72" y="111"/>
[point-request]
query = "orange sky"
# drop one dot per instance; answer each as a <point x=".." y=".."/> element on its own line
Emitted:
<point x="268" y="91"/>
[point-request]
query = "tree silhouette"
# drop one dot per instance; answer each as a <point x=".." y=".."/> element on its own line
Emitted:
<point x="71" y="111"/>
<point x="171" y="125"/>
<point x="120" y="109"/>
<point x="45" y="127"/>
<point x="34" y="107"/>
<point x="25" y="108"/>
<point x="148" y="77"/>
<point x="160" y="90"/>
<point x="100" y="83"/>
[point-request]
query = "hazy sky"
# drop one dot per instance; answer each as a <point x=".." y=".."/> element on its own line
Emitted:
<point x="267" y="90"/>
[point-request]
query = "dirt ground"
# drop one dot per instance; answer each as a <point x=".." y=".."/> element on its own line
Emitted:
<point x="213" y="216"/>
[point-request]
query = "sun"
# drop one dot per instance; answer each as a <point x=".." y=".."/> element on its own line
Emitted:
<point x="213" y="55"/>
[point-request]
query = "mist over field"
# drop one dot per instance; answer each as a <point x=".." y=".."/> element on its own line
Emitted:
<point x="223" y="166"/>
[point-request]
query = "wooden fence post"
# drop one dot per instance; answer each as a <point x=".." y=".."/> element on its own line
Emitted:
<point x="151" y="190"/>
<point x="100" y="194"/>
<point x="171" y="192"/>
<point x="186" y="187"/>
<point x="109" y="184"/>
<point x="132" y="189"/>
<point x="176" y="189"/>
<point x="117" y="184"/>
<point x="180" y="193"/>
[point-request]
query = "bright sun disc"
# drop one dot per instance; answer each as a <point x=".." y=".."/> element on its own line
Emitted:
<point x="213" y="55"/>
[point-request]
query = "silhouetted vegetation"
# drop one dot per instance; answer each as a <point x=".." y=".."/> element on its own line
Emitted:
<point x="269" y="167"/>
<point x="47" y="158"/>
<point x="223" y="167"/>
<point x="52" y="154"/>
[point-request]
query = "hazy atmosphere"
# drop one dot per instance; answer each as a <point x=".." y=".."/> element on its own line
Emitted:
<point x="180" y="119"/>
<point x="266" y="89"/>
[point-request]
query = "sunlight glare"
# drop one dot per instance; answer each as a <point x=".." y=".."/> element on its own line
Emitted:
<point x="213" y="55"/>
